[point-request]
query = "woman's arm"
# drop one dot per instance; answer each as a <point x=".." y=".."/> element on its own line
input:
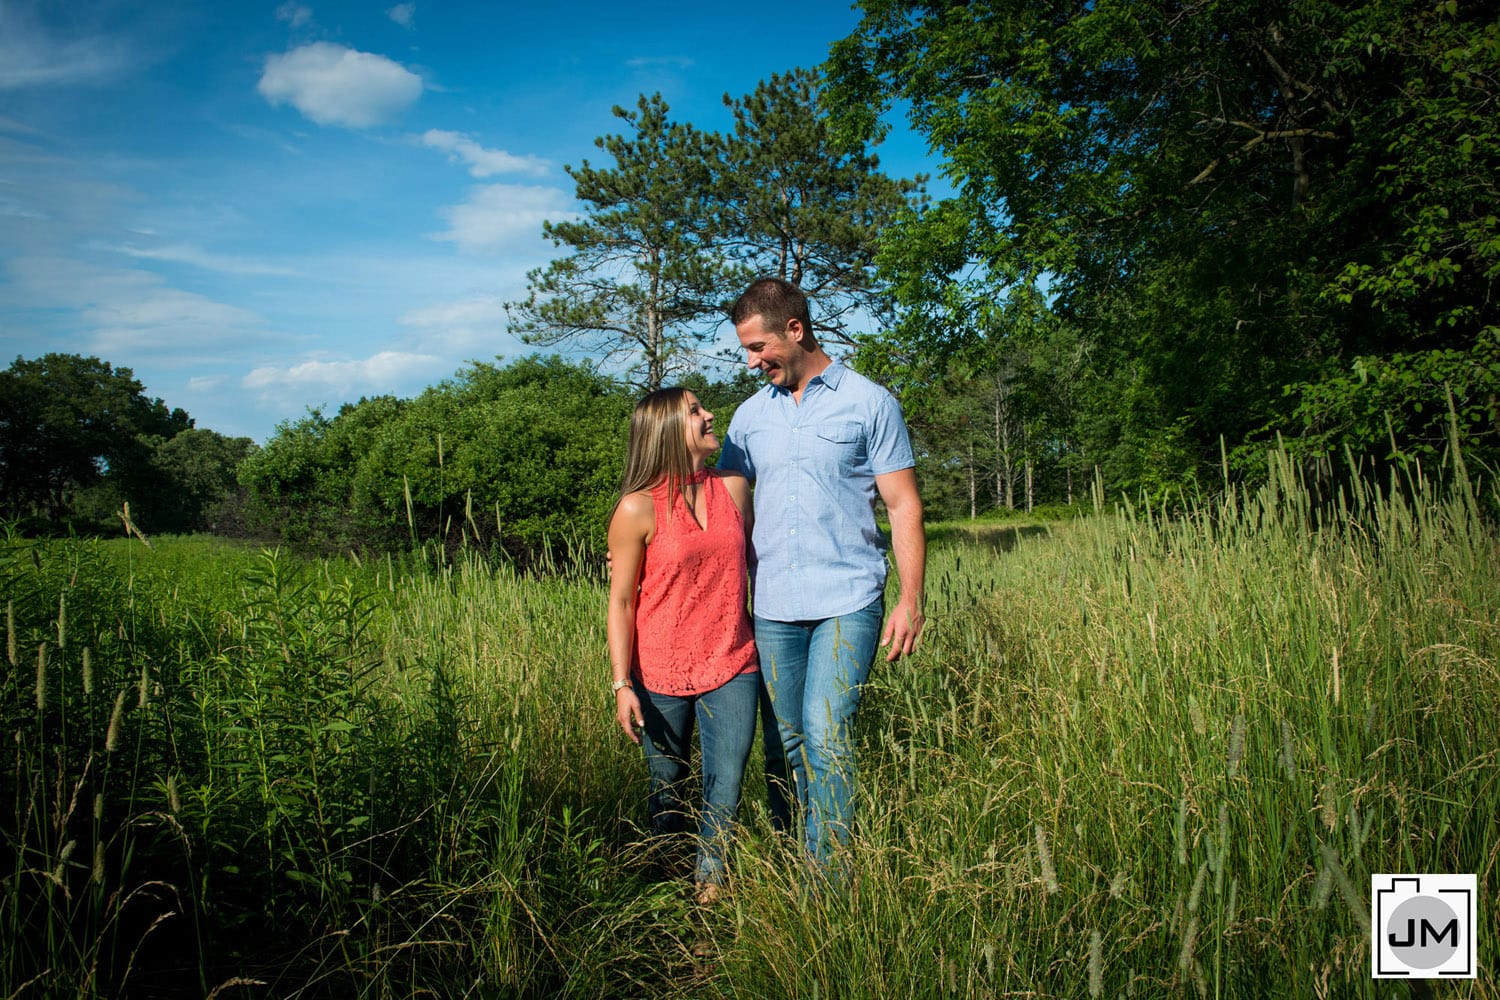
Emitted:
<point x="739" y="491"/>
<point x="630" y="529"/>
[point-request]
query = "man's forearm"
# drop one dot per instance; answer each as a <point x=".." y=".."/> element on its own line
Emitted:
<point x="909" y="542"/>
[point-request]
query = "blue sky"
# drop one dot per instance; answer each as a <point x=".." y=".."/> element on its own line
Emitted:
<point x="264" y="207"/>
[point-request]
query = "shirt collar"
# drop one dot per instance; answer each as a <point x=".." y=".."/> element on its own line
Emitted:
<point x="830" y="376"/>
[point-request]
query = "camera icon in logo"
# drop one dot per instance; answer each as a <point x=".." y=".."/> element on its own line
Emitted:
<point x="1422" y="926"/>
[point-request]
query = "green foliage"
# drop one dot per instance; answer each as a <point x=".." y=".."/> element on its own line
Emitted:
<point x="1416" y="393"/>
<point x="1159" y="757"/>
<point x="994" y="421"/>
<point x="68" y="423"/>
<point x="1223" y="199"/>
<point x="183" y="484"/>
<point x="519" y="456"/>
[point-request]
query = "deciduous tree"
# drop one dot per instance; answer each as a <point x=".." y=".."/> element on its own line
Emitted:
<point x="65" y="422"/>
<point x="1229" y="198"/>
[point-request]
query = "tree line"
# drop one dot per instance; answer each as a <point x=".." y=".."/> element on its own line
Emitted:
<point x="514" y="458"/>
<point x="80" y="437"/>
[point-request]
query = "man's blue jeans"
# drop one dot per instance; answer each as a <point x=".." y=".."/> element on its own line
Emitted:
<point x="812" y="674"/>
<point x="726" y="729"/>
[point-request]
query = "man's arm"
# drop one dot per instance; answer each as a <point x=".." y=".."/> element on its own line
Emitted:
<point x="909" y="540"/>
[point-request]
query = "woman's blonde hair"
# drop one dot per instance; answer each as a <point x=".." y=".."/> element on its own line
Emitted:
<point x="658" y="449"/>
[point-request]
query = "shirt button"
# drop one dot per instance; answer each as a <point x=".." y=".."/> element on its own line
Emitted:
<point x="794" y="531"/>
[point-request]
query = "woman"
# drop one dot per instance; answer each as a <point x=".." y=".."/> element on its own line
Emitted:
<point x="680" y="642"/>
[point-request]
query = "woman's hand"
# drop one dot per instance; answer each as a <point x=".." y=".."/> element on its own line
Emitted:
<point x="628" y="713"/>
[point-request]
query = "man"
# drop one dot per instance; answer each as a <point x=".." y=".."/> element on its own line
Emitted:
<point x="819" y="443"/>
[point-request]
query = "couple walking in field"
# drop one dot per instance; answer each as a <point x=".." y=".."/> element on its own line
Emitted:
<point x="687" y="544"/>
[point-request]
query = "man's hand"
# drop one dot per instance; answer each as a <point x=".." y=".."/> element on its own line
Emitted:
<point x="902" y="630"/>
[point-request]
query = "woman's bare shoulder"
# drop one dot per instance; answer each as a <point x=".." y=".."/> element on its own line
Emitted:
<point x="637" y="504"/>
<point x="737" y="485"/>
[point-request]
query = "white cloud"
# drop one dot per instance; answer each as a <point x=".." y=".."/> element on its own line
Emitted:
<point x="11" y="125"/>
<point x="403" y="14"/>
<point x="477" y="324"/>
<point x="205" y="383"/>
<point x="485" y="311"/>
<point x="482" y="162"/>
<point x="294" y="14"/>
<point x="197" y="257"/>
<point x="661" y="62"/>
<point x="126" y="312"/>
<point x="387" y="371"/>
<point x="32" y="56"/>
<point x="500" y="217"/>
<point x="334" y="85"/>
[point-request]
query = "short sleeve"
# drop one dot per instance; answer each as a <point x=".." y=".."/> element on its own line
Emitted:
<point x="890" y="445"/>
<point x="734" y="456"/>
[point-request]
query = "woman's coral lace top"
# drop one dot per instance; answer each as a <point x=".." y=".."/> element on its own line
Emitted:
<point x="692" y="629"/>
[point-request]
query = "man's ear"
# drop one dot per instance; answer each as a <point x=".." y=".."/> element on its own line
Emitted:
<point x="794" y="330"/>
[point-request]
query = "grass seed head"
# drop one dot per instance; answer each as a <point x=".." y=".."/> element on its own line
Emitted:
<point x="1196" y="896"/>
<point x="1236" y="744"/>
<point x="1288" y="757"/>
<point x="1044" y="861"/>
<point x="1096" y="964"/>
<point x="112" y="735"/>
<point x="1195" y="716"/>
<point x="41" y="677"/>
<point x="1189" y="942"/>
<point x="1327" y="811"/>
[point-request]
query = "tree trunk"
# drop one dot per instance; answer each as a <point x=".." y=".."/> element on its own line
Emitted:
<point x="973" y="483"/>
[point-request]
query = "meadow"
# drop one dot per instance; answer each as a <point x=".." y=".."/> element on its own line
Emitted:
<point x="1137" y="755"/>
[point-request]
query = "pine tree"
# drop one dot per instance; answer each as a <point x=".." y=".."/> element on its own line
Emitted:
<point x="800" y="205"/>
<point x="639" y="279"/>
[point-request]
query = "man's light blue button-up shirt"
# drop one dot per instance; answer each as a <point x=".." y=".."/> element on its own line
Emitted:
<point x="818" y="553"/>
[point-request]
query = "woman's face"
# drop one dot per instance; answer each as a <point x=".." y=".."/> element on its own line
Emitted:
<point x="699" y="432"/>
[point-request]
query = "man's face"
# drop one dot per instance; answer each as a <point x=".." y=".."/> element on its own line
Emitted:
<point x="776" y="354"/>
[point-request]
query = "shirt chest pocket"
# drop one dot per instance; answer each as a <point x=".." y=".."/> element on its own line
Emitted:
<point x="839" y="444"/>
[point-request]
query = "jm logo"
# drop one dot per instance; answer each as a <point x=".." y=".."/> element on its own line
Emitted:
<point x="1422" y="926"/>
<point x="1434" y="935"/>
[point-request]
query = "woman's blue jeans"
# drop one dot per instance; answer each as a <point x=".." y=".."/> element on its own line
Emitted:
<point x="726" y="727"/>
<point x="812" y="672"/>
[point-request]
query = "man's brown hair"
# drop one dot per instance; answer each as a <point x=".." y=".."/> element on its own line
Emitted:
<point x="777" y="302"/>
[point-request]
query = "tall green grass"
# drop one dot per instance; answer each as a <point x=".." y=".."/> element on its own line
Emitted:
<point x="1148" y="756"/>
<point x="1136" y="755"/>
